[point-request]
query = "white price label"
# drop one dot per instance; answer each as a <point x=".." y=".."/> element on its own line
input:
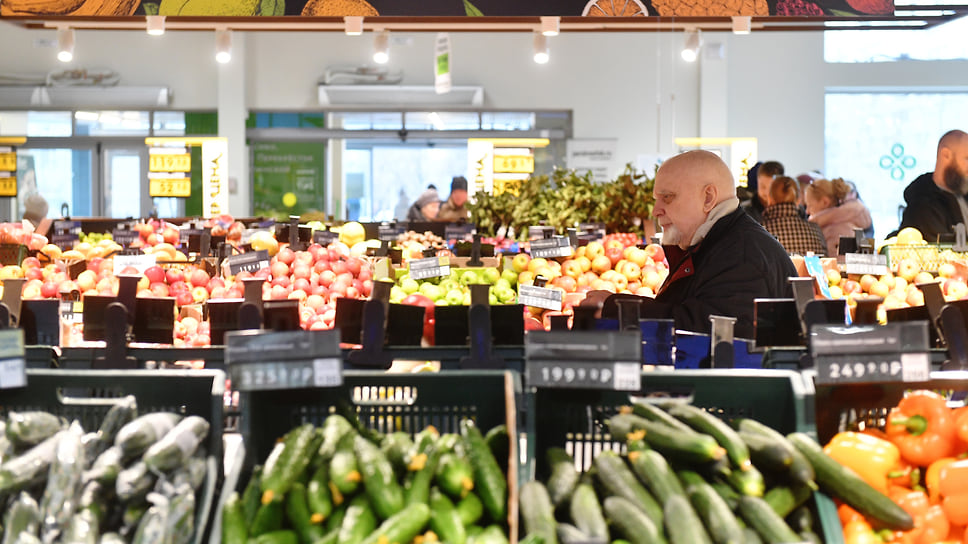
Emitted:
<point x="915" y="367"/>
<point x="13" y="373"/>
<point x="628" y="377"/>
<point x="327" y="372"/>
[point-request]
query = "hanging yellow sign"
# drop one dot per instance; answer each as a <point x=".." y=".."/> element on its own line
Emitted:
<point x="513" y="164"/>
<point x="170" y="187"/>
<point x="8" y="161"/>
<point x="165" y="162"/>
<point x="8" y="186"/>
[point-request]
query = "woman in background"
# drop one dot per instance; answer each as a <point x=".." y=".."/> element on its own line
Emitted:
<point x="782" y="219"/>
<point x="834" y="206"/>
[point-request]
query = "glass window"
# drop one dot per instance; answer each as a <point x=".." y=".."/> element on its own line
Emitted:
<point x="61" y="176"/>
<point x="882" y="141"/>
<point x="169" y="123"/>
<point x="35" y="123"/>
<point x="112" y="123"/>
<point x="944" y="42"/>
<point x="368" y="120"/>
<point x="444" y="120"/>
<point x="507" y="121"/>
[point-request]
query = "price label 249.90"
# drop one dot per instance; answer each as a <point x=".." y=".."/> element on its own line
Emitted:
<point x="902" y="367"/>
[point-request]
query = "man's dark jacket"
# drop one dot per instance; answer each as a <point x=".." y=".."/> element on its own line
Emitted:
<point x="930" y="209"/>
<point x="736" y="262"/>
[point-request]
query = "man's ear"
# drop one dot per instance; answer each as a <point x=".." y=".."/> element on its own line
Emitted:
<point x="710" y="197"/>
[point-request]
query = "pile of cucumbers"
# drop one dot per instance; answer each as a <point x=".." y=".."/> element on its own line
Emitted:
<point x="133" y="479"/>
<point x="341" y="483"/>
<point x="688" y="477"/>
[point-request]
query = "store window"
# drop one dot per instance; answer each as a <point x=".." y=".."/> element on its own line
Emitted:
<point x="112" y="123"/>
<point x="944" y="42"/>
<point x="37" y="124"/>
<point x="882" y="141"/>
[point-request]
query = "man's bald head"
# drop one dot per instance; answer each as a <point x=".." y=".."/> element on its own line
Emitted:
<point x="696" y="169"/>
<point x="687" y="188"/>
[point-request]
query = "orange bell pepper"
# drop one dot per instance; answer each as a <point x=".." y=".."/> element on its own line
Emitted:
<point x="961" y="428"/>
<point x="922" y="428"/>
<point x="931" y="523"/>
<point x="936" y="525"/>
<point x="953" y="488"/>
<point x="870" y="457"/>
<point x="847" y="514"/>
<point x="932" y="478"/>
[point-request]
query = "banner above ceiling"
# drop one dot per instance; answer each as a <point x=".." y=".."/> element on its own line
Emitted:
<point x="446" y="8"/>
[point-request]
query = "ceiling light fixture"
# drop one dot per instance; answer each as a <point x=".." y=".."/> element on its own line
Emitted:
<point x="353" y="25"/>
<point x="381" y="47"/>
<point x="155" y="25"/>
<point x="541" y="55"/>
<point x="693" y="42"/>
<point x="65" y="44"/>
<point x="223" y="45"/>
<point x="742" y="24"/>
<point x="550" y="25"/>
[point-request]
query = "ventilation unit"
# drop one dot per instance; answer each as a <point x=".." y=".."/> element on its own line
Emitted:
<point x="93" y="97"/>
<point x="399" y="96"/>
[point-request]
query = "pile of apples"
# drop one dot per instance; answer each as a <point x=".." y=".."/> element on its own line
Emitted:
<point x="454" y="290"/>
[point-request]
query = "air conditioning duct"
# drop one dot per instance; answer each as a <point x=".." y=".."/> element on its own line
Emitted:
<point x="92" y="97"/>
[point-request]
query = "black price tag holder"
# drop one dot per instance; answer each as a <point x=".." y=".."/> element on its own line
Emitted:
<point x="13" y="359"/>
<point x="261" y="360"/>
<point x="373" y="327"/>
<point x="11" y="302"/>
<point x="40" y="321"/>
<point x="252" y="261"/>
<point x="584" y="360"/>
<point x="65" y="233"/>
<point x="896" y="352"/>
<point x="389" y="233"/>
<point x="124" y="235"/>
<point x="953" y="320"/>
<point x="549" y="248"/>
<point x="480" y="334"/>
<point x="325" y="237"/>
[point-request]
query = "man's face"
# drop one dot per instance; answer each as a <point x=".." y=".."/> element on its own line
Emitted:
<point x="763" y="183"/>
<point x="459" y="197"/>
<point x="955" y="172"/>
<point x="678" y="207"/>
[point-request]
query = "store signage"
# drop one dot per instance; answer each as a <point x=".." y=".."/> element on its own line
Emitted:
<point x="513" y="164"/>
<point x="138" y="262"/>
<point x="8" y="159"/>
<point x="459" y="231"/>
<point x="169" y="186"/>
<point x="8" y="184"/>
<point x="65" y="233"/>
<point x="124" y="236"/>
<point x="251" y="261"/>
<point x="549" y="248"/>
<point x="608" y="360"/>
<point x="215" y="177"/>
<point x="815" y="269"/>
<point x="896" y="352"/>
<point x="169" y="159"/>
<point x="592" y="155"/>
<point x="13" y="359"/>
<point x="540" y="297"/>
<point x="431" y="267"/>
<point x="861" y="263"/>
<point x="442" y="63"/>
<point x="259" y="360"/>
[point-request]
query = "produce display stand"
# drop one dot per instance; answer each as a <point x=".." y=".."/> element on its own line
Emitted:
<point x="86" y="396"/>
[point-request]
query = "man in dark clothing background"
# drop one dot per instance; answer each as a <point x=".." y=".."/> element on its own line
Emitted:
<point x="936" y="200"/>
<point x="763" y="174"/>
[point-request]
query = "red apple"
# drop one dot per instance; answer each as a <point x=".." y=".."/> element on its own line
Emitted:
<point x="174" y="275"/>
<point x="215" y="282"/>
<point x="614" y="254"/>
<point x="353" y="265"/>
<point x="49" y="290"/>
<point x="339" y="267"/>
<point x="160" y="289"/>
<point x="279" y="292"/>
<point x="327" y="277"/>
<point x="301" y="284"/>
<point x="34" y="273"/>
<point x="278" y="269"/>
<point x="282" y="281"/>
<point x="301" y="270"/>
<point x="321" y="266"/>
<point x="286" y="256"/>
<point x="320" y="290"/>
<point x="655" y="252"/>
<point x="199" y="294"/>
<point x="30" y="262"/>
<point x="155" y="274"/>
<point x="199" y="278"/>
<point x="170" y="235"/>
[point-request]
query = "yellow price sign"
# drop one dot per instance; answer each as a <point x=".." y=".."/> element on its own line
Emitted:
<point x="164" y="162"/>
<point x="8" y="186"/>
<point x="8" y="162"/>
<point x="513" y="164"/>
<point x="170" y="187"/>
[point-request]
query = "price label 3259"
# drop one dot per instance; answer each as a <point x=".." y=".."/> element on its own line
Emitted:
<point x="324" y="372"/>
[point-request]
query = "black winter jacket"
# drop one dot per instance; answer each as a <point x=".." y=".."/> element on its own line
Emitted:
<point x="736" y="262"/>
<point x="930" y="209"/>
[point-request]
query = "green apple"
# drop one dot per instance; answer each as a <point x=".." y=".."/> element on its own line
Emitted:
<point x="455" y="297"/>
<point x="506" y="295"/>
<point x="492" y="299"/>
<point x="469" y="277"/>
<point x="502" y="283"/>
<point x="431" y="291"/>
<point x="466" y="299"/>
<point x="448" y="284"/>
<point x="490" y="275"/>
<point x="409" y="285"/>
<point x="510" y="276"/>
<point x="397" y="294"/>
<point x="442" y="301"/>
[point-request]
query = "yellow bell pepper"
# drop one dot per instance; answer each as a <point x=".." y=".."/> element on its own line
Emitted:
<point x="870" y="457"/>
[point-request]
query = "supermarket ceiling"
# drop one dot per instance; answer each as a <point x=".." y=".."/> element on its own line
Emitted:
<point x="487" y="15"/>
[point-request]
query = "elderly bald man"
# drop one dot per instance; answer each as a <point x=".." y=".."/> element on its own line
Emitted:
<point x="720" y="259"/>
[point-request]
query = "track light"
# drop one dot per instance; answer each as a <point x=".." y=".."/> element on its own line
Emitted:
<point x="223" y="45"/>
<point x="65" y="44"/>
<point x="381" y="47"/>
<point x="353" y="25"/>
<point x="549" y="25"/>
<point x="742" y="24"/>
<point x="693" y="42"/>
<point x="541" y="55"/>
<point x="155" y="25"/>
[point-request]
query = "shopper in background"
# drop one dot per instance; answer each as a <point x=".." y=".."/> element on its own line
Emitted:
<point x="426" y="206"/>
<point x="402" y="207"/>
<point x="936" y="200"/>
<point x="35" y="209"/>
<point x="835" y="207"/>
<point x="453" y="209"/>
<point x="720" y="259"/>
<point x="782" y="219"/>
<point x="763" y="173"/>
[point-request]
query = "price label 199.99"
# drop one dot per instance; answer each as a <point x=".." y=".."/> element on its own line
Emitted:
<point x="8" y="185"/>
<point x="615" y="376"/>
<point x="8" y="161"/>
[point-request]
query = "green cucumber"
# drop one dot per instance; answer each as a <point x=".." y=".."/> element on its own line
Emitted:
<point x="455" y="475"/>
<point x="134" y="482"/>
<point x="139" y="434"/>
<point x="489" y="479"/>
<point x="801" y="519"/>
<point x="451" y="442"/>
<point x="586" y="512"/>
<point x="105" y="468"/>
<point x="654" y="413"/>
<point x="333" y="430"/>
<point x="682" y="523"/>
<point x="693" y="448"/>
<point x="445" y="520"/>
<point x="653" y="471"/>
<point x="151" y="528"/>
<point x="800" y="469"/>
<point x="844" y="484"/>
<point x="704" y="422"/>
<point x="115" y="538"/>
<point x="747" y="482"/>
<point x="329" y="538"/>
<point x="81" y="529"/>
<point x="726" y="492"/>
<point x="26" y="429"/>
<point x="750" y="536"/>
<point x="252" y="495"/>
<point x="22" y="516"/>
<point x="63" y="480"/>
<point x="276" y="537"/>
<point x="300" y="519"/>
<point x="28" y="468"/>
<point x="810" y="537"/>
<point x="537" y="512"/>
<point x="344" y="472"/>
<point x="268" y="518"/>
<point x="379" y="481"/>
<point x="632" y="522"/>
<point x="396" y="447"/>
<point x="235" y="529"/>
<point x="767" y="454"/>
<point x="335" y="520"/>
<point x="180" y="520"/>
<point x="318" y="496"/>
<point x="402" y="526"/>
<point x="358" y="522"/>
<point x="563" y="476"/>
<point x="177" y="445"/>
<point x="532" y="539"/>
<point x="469" y="509"/>
<point x="567" y="534"/>
<point x="499" y="442"/>
<point x="618" y="479"/>
<point x="418" y="485"/>
<point x="761" y="517"/>
<point x="785" y="499"/>
<point x="290" y="464"/>
<point x="124" y="411"/>
<point x="492" y="534"/>
<point x="194" y="473"/>
<point x="715" y="513"/>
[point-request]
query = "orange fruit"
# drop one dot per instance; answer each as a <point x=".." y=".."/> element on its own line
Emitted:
<point x="614" y="8"/>
<point x="339" y="8"/>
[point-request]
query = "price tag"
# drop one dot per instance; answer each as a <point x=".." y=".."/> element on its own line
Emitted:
<point x="431" y="267"/>
<point x="286" y="375"/>
<point x="325" y="237"/>
<point x="170" y="187"/>
<point x="8" y="184"/>
<point x="613" y="376"/>
<point x="13" y="359"/>
<point x="259" y="360"/>
<point x="124" y="237"/>
<point x="252" y="261"/>
<point x="463" y="231"/>
<point x="513" y="164"/>
<point x="549" y="248"/>
<point x="65" y="233"/>
<point x="538" y="232"/>
<point x="138" y="262"/>
<point x="890" y="353"/>
<point x="861" y="263"/>
<point x="8" y="161"/>
<point x="386" y="232"/>
<point x="169" y="162"/>
<point x="540" y="297"/>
